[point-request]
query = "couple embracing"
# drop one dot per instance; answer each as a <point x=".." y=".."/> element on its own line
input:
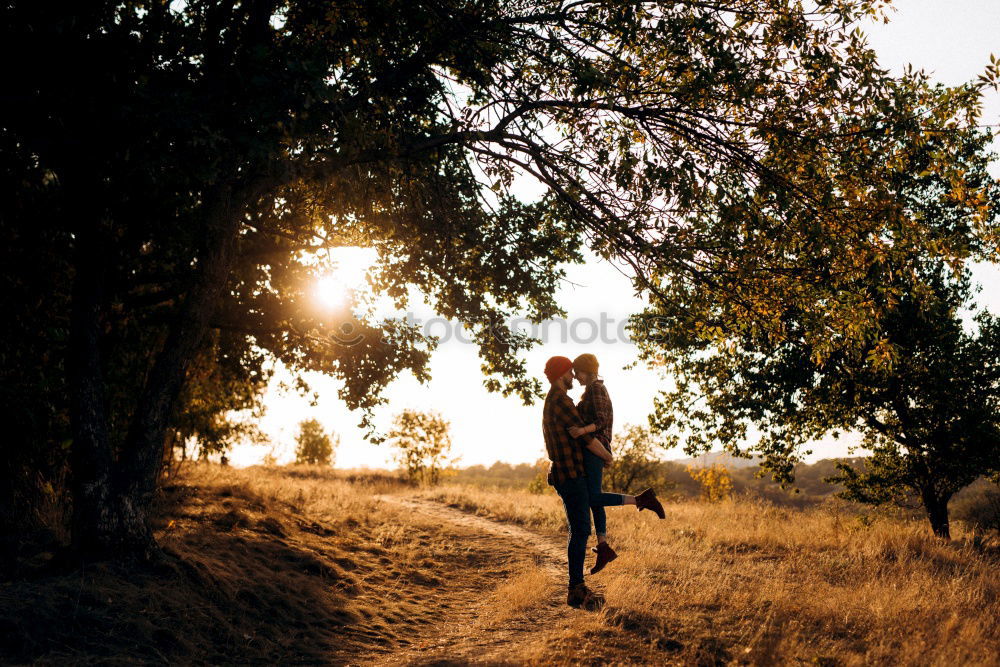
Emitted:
<point x="578" y="443"/>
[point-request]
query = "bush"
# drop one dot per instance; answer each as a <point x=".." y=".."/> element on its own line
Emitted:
<point x="540" y="482"/>
<point x="716" y="482"/>
<point x="423" y="445"/>
<point x="637" y="465"/>
<point x="314" y="445"/>
<point x="979" y="506"/>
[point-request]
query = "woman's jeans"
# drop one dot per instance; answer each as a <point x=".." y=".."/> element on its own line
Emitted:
<point x="576" y="500"/>
<point x="594" y="467"/>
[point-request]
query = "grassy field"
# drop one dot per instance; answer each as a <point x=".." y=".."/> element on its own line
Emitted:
<point x="308" y="566"/>
<point x="749" y="582"/>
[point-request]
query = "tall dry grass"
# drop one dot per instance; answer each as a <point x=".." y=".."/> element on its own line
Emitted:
<point x="749" y="582"/>
<point x="308" y="565"/>
<point x="293" y="565"/>
<point x="538" y="511"/>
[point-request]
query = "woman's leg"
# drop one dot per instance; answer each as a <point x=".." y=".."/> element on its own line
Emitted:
<point x="598" y="500"/>
<point x="594" y="468"/>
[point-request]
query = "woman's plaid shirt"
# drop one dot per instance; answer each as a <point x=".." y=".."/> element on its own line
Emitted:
<point x="565" y="452"/>
<point x="595" y="408"/>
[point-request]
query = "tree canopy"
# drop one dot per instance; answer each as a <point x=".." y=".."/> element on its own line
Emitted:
<point x="923" y="390"/>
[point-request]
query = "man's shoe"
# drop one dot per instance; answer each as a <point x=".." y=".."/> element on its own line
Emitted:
<point x="605" y="554"/>
<point x="647" y="501"/>
<point x="582" y="597"/>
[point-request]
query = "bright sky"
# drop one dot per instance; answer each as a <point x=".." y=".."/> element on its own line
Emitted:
<point x="952" y="40"/>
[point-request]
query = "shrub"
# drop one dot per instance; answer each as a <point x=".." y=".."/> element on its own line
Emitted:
<point x="980" y="506"/>
<point x="637" y="465"/>
<point x="716" y="483"/>
<point x="314" y="445"/>
<point x="423" y="445"/>
<point x="540" y="482"/>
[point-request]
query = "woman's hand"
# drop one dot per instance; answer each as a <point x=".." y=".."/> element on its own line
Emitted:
<point x="598" y="449"/>
<point x="577" y="431"/>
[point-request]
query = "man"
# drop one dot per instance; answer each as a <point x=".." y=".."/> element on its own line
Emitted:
<point x="566" y="473"/>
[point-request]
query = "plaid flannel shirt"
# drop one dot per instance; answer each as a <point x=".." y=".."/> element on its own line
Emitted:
<point x="595" y="408"/>
<point x="565" y="452"/>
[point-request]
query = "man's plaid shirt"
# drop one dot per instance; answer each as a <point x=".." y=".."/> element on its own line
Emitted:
<point x="595" y="408"/>
<point x="565" y="452"/>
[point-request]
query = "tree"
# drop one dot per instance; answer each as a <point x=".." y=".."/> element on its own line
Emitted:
<point x="933" y="421"/>
<point x="901" y="380"/>
<point x="715" y="481"/>
<point x="930" y="413"/>
<point x="157" y="253"/>
<point x="423" y="445"/>
<point x="192" y="159"/>
<point x="315" y="447"/>
<point x="637" y="464"/>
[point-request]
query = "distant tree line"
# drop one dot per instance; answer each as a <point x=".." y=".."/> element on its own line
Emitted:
<point x="978" y="505"/>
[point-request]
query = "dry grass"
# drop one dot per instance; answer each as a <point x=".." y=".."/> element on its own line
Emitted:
<point x="264" y="566"/>
<point x="308" y="566"/>
<point x="542" y="512"/>
<point x="516" y="597"/>
<point x="748" y="582"/>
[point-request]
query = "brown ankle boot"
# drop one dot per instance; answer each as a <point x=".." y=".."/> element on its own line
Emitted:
<point x="647" y="501"/>
<point x="582" y="597"/>
<point x="605" y="554"/>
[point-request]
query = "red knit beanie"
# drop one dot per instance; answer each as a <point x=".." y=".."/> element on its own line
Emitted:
<point x="556" y="367"/>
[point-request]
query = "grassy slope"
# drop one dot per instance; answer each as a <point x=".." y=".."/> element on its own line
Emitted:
<point x="270" y="566"/>
<point x="295" y="566"/>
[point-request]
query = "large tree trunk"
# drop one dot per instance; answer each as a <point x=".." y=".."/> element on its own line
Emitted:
<point x="91" y="455"/>
<point x="102" y="526"/>
<point x="113" y="520"/>
<point x="142" y="457"/>
<point x="936" y="505"/>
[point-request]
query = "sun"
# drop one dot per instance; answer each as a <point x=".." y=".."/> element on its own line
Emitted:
<point x="330" y="291"/>
<point x="346" y="275"/>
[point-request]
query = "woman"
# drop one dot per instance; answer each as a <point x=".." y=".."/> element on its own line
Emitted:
<point x="596" y="411"/>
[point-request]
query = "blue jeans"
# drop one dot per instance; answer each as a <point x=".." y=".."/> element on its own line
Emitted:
<point x="599" y="500"/>
<point x="577" y="503"/>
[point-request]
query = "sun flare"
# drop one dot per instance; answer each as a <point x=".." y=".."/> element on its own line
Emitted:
<point x="347" y="274"/>
<point x="331" y="291"/>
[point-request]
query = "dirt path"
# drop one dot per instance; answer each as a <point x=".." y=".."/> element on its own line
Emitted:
<point x="553" y="550"/>
<point x="461" y="637"/>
